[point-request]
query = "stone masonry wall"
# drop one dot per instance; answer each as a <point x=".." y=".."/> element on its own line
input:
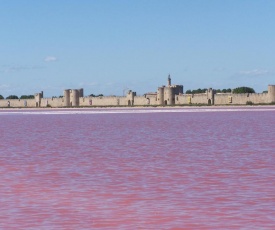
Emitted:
<point x="145" y="100"/>
<point x="191" y="99"/>
<point x="17" y="103"/>
<point x="240" y="99"/>
<point x="102" y="101"/>
<point x="52" y="102"/>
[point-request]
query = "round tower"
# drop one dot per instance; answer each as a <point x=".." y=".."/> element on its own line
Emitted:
<point x="74" y="97"/>
<point x="66" y="95"/>
<point x="271" y="93"/>
<point x="160" y="95"/>
<point x="168" y="96"/>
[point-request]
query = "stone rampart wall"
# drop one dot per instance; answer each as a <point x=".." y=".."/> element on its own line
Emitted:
<point x="141" y="100"/>
<point x="191" y="99"/>
<point x="153" y="99"/>
<point x="52" y="102"/>
<point x="103" y="101"/>
<point x="17" y="103"/>
<point x="145" y="100"/>
<point x="240" y="99"/>
<point x="223" y="99"/>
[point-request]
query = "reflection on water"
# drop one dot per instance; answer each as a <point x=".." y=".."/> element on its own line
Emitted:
<point x="137" y="169"/>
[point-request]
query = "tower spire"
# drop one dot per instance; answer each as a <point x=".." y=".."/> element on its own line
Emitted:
<point x="169" y="80"/>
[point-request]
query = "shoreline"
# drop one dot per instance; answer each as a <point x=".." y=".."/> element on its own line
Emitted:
<point x="135" y="107"/>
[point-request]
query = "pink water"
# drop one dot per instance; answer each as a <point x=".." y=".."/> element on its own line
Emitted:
<point x="138" y="169"/>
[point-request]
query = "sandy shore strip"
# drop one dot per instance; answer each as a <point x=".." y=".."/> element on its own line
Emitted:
<point x="136" y="109"/>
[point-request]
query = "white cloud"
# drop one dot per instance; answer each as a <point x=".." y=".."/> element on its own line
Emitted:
<point x="219" y="69"/>
<point x="255" y="72"/>
<point x="17" y="68"/>
<point x="88" y="84"/>
<point x="50" y="59"/>
<point x="4" y="86"/>
<point x="92" y="84"/>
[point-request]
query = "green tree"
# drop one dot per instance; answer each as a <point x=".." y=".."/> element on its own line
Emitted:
<point x="1" y="97"/>
<point x="99" y="95"/>
<point x="196" y="91"/>
<point x="12" y="97"/>
<point x="223" y="90"/>
<point x="27" y="97"/>
<point x="243" y="90"/>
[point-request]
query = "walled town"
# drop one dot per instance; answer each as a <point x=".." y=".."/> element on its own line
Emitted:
<point x="165" y="96"/>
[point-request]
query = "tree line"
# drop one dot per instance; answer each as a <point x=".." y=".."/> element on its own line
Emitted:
<point x="32" y="96"/>
<point x="199" y="90"/>
<point x="93" y="95"/>
<point x="237" y="90"/>
<point x="16" y="97"/>
<point x="242" y="89"/>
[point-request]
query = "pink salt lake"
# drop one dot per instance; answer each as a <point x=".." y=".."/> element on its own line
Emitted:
<point x="181" y="168"/>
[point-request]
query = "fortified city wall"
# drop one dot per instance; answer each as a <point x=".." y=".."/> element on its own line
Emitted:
<point x="102" y="101"/>
<point x="18" y="103"/>
<point x="242" y="99"/>
<point x="200" y="98"/>
<point x="165" y="95"/>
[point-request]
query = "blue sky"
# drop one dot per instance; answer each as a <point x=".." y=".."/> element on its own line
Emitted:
<point x="108" y="46"/>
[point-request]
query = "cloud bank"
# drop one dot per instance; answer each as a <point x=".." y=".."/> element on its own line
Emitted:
<point x="18" y="68"/>
<point x="4" y="86"/>
<point x="255" y="72"/>
<point x="50" y="59"/>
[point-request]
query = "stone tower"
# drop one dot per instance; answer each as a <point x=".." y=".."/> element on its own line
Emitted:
<point x="66" y="97"/>
<point x="130" y="97"/>
<point x="160" y="95"/>
<point x="74" y="93"/>
<point x="71" y="97"/>
<point x="38" y="97"/>
<point x="271" y="93"/>
<point x="210" y="96"/>
<point x="169" y="96"/>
